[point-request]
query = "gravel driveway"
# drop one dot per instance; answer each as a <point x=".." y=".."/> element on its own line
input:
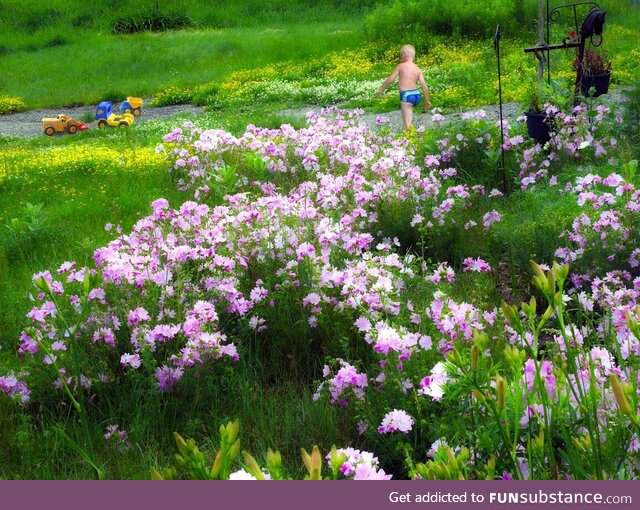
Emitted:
<point x="510" y="112"/>
<point x="29" y="123"/>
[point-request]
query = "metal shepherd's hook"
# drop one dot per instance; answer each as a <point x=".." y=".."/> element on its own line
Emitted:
<point x="496" y="46"/>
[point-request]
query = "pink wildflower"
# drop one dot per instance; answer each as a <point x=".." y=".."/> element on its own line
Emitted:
<point x="396" y="421"/>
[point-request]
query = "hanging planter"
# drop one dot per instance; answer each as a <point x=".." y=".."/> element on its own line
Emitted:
<point x="594" y="72"/>
<point x="538" y="126"/>
<point x="600" y="82"/>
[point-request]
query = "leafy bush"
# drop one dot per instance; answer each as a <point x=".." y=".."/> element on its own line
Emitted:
<point x="11" y="105"/>
<point x="23" y="232"/>
<point x="632" y="118"/>
<point x="533" y="228"/>
<point x="56" y="41"/>
<point x="172" y="95"/>
<point x="155" y="22"/>
<point x="414" y="21"/>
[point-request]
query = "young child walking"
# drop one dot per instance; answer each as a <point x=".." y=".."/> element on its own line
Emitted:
<point x="409" y="76"/>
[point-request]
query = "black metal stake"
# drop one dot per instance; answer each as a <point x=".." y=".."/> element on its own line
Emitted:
<point x="496" y="46"/>
<point x="548" y="19"/>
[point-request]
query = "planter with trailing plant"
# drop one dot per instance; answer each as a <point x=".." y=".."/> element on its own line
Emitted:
<point x="596" y="72"/>
<point x="598" y="82"/>
<point x="544" y="100"/>
<point x="538" y="123"/>
<point x="538" y="126"/>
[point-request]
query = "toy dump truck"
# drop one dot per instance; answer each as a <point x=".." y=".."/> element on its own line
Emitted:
<point x="132" y="105"/>
<point x="62" y="124"/>
<point x="106" y="118"/>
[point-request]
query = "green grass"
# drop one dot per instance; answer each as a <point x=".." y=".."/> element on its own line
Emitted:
<point x="35" y="21"/>
<point x="140" y="65"/>
<point x="284" y="419"/>
<point x="79" y="200"/>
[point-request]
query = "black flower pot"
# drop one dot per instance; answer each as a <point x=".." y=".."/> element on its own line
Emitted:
<point x="598" y="81"/>
<point x="538" y="126"/>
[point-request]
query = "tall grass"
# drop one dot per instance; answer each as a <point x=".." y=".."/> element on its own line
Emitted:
<point x="284" y="418"/>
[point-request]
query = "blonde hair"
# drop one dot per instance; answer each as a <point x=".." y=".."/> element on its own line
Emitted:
<point x="408" y="50"/>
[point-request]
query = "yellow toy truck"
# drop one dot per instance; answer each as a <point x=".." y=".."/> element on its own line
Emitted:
<point x="106" y="118"/>
<point x="132" y="105"/>
<point x="114" y="120"/>
<point x="62" y="124"/>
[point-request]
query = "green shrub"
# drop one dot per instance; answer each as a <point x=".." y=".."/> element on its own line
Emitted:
<point x="206" y="94"/>
<point x="531" y="225"/>
<point x="632" y="118"/>
<point x="402" y="21"/>
<point x="155" y="22"/>
<point x="21" y="233"/>
<point x="11" y="105"/>
<point x="172" y="95"/>
<point x="56" y="41"/>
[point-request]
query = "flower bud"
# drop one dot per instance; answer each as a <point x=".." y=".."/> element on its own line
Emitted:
<point x="475" y="357"/>
<point x="501" y="388"/>
<point x="252" y="465"/>
<point x="479" y="396"/>
<point x="538" y="441"/>
<point x="621" y="399"/>
<point x="43" y="285"/>
<point x="551" y="282"/>
<point x="537" y="270"/>
<point x="454" y="357"/>
<point x="214" y="472"/>
<point x="312" y="462"/>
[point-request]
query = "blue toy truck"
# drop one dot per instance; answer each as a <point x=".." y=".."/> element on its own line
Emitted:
<point x="106" y="118"/>
<point x="103" y="110"/>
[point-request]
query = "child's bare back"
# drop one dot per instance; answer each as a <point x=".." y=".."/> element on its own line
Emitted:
<point x="409" y="77"/>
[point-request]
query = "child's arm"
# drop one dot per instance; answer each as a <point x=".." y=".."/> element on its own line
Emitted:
<point x="425" y="91"/>
<point x="389" y="80"/>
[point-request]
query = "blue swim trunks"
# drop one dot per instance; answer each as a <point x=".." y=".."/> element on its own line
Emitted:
<point x="410" y="96"/>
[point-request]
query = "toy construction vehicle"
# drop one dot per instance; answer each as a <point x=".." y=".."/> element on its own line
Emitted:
<point x="106" y="118"/>
<point x="62" y="124"/>
<point x="132" y="105"/>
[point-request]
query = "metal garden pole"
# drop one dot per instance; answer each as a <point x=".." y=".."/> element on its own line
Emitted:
<point x="496" y="46"/>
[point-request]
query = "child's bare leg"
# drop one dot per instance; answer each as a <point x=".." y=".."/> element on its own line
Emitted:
<point x="407" y="115"/>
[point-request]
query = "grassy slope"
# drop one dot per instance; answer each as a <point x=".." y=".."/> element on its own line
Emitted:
<point x="80" y="200"/>
<point x="86" y="71"/>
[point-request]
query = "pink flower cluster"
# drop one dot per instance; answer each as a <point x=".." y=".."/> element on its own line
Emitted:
<point x="578" y="136"/>
<point x="396" y="421"/>
<point x="433" y="384"/>
<point x="346" y="378"/>
<point x="14" y="388"/>
<point x="360" y="465"/>
<point x="606" y="227"/>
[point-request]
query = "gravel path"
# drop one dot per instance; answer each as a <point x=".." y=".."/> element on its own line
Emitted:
<point x="28" y="123"/>
<point x="510" y="112"/>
